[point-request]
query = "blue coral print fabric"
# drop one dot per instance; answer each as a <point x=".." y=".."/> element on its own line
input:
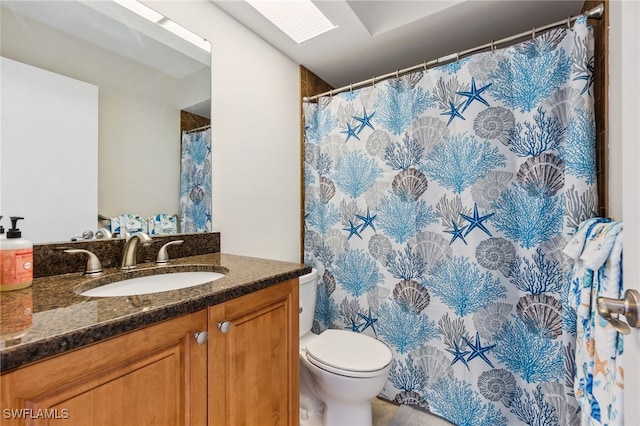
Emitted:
<point x="195" y="182"/>
<point x="437" y="206"/>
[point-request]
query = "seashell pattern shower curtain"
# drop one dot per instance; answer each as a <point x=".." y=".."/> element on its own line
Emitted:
<point x="195" y="181"/>
<point x="437" y="205"/>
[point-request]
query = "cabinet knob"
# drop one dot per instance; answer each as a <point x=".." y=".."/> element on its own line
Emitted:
<point x="201" y="337"/>
<point x="224" y="326"/>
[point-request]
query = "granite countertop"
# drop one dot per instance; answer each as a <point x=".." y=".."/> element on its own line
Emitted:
<point x="50" y="317"/>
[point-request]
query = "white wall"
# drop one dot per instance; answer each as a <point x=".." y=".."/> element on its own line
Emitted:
<point x="191" y="92"/>
<point x="624" y="170"/>
<point x="255" y="134"/>
<point x="55" y="206"/>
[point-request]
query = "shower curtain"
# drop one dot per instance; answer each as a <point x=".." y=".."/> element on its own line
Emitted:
<point x="437" y="205"/>
<point x="195" y="181"/>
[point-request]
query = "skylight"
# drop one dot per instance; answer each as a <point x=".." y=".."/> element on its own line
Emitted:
<point x="155" y="17"/>
<point x="141" y="9"/>
<point x="301" y="20"/>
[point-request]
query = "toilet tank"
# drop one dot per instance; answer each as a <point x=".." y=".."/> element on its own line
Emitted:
<point x="308" y="290"/>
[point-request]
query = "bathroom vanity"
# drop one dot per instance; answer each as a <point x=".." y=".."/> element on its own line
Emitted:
<point x="222" y="353"/>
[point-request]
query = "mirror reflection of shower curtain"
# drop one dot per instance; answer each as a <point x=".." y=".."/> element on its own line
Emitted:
<point x="195" y="181"/>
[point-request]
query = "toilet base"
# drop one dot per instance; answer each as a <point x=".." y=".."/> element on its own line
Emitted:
<point x="311" y="419"/>
<point x="358" y="414"/>
<point x="311" y="408"/>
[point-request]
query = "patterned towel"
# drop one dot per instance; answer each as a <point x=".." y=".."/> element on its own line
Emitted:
<point x="160" y="224"/>
<point x="163" y="224"/>
<point x="597" y="250"/>
<point x="129" y="223"/>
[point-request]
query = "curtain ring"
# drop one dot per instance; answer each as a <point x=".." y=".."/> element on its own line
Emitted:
<point x="533" y="33"/>
<point x="569" y="22"/>
<point x="331" y="93"/>
<point x="493" y="47"/>
<point x="351" y="87"/>
<point x="425" y="67"/>
<point x="457" y="56"/>
<point x="373" y="81"/>
<point x="397" y="74"/>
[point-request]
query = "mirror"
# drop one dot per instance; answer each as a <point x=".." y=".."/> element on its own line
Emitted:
<point x="150" y="84"/>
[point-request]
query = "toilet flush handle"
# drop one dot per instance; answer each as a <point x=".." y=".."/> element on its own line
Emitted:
<point x="224" y="326"/>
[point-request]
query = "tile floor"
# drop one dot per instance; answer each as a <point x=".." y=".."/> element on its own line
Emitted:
<point x="382" y="411"/>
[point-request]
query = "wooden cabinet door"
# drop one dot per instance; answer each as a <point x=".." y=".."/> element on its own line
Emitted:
<point x="153" y="376"/>
<point x="253" y="366"/>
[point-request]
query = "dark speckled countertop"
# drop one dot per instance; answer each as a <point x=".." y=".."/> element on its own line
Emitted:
<point x="50" y="318"/>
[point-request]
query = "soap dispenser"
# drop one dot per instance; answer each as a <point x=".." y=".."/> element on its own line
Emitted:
<point x="16" y="259"/>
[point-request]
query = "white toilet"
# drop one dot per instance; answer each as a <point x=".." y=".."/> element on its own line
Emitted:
<point x="340" y="371"/>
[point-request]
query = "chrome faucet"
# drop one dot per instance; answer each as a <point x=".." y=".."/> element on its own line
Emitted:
<point x="130" y="248"/>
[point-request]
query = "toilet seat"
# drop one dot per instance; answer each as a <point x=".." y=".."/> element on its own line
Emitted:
<point x="348" y="353"/>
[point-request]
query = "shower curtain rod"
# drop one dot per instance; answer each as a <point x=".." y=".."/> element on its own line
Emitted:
<point x="198" y="129"/>
<point x="595" y="13"/>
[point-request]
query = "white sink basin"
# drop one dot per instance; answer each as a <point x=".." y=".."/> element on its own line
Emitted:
<point x="153" y="284"/>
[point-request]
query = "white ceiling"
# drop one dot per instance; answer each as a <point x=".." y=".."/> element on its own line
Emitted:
<point x="109" y="26"/>
<point x="114" y="28"/>
<point x="373" y="38"/>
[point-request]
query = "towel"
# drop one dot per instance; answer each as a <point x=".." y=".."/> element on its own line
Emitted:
<point x="160" y="224"/>
<point x="597" y="252"/>
<point x="114" y="225"/>
<point x="163" y="224"/>
<point x="129" y="223"/>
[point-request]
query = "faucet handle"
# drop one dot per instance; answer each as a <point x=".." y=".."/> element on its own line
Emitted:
<point x="163" y="256"/>
<point x="103" y="233"/>
<point x="93" y="267"/>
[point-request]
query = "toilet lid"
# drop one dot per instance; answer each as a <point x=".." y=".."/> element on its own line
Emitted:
<point x="349" y="351"/>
